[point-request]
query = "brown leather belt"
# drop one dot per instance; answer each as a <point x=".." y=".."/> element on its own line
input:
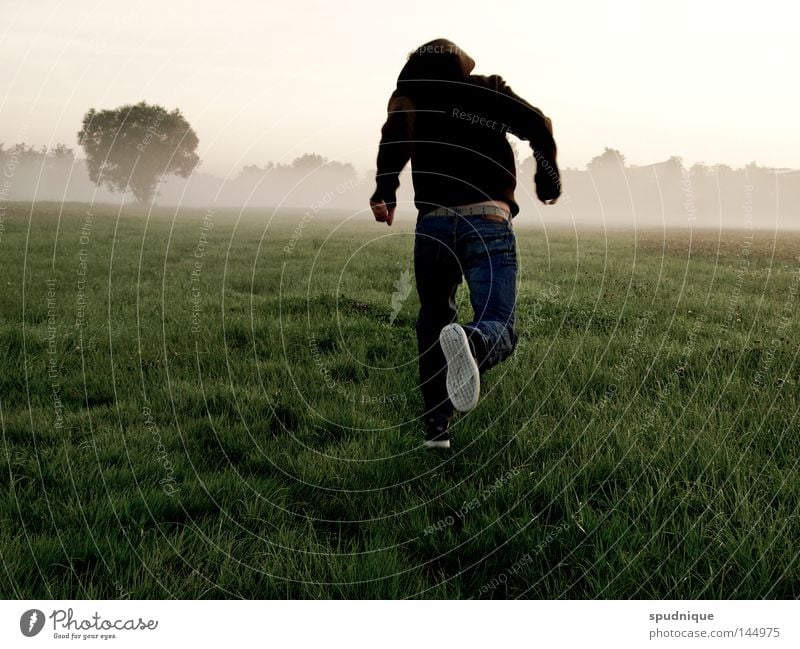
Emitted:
<point x="478" y="210"/>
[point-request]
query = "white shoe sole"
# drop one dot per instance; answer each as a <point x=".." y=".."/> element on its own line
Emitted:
<point x="438" y="444"/>
<point x="463" y="377"/>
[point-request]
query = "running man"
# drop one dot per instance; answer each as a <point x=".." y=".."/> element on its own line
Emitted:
<point x="452" y="125"/>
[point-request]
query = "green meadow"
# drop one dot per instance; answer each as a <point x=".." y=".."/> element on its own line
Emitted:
<point x="223" y="404"/>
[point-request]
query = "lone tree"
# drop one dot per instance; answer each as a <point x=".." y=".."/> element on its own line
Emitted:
<point x="133" y="146"/>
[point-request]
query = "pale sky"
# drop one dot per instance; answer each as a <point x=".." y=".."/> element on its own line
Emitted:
<point x="264" y="80"/>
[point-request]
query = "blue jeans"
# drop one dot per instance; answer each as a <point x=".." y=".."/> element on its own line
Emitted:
<point x="446" y="249"/>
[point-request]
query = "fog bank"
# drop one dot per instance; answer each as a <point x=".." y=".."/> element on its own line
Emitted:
<point x="607" y="193"/>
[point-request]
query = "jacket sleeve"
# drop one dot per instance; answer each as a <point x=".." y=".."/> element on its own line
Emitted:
<point x="525" y="121"/>
<point x="529" y="123"/>
<point x="395" y="147"/>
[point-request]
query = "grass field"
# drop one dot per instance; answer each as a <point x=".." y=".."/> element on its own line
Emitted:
<point x="202" y="406"/>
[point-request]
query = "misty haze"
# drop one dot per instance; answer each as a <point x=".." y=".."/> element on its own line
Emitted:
<point x="607" y="192"/>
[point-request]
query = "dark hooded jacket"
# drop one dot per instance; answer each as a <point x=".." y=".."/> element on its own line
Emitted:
<point x="452" y="125"/>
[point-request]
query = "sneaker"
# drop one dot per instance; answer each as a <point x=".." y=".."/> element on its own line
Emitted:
<point x="437" y="433"/>
<point x="463" y="375"/>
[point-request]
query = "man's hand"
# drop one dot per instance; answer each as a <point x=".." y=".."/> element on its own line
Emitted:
<point x="382" y="213"/>
<point x="548" y="187"/>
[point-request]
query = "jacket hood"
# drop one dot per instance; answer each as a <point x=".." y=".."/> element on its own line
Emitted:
<point x="438" y="60"/>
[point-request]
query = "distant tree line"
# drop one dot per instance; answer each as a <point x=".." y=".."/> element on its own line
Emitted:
<point x="670" y="193"/>
<point x="57" y="174"/>
<point x="48" y="174"/>
<point x="608" y="190"/>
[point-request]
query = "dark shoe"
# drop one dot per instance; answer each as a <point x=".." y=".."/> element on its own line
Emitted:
<point x="437" y="433"/>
